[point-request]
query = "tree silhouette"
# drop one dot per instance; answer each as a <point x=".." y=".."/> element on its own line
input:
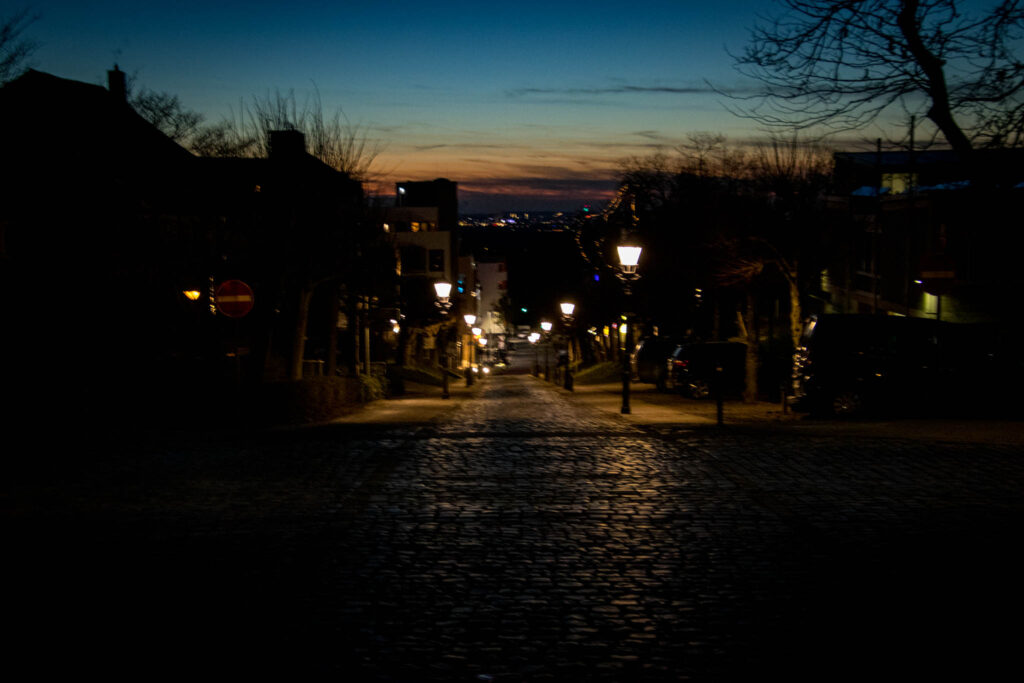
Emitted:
<point x="340" y="144"/>
<point x="733" y="223"/>
<point x="15" y="49"/>
<point x="166" y="112"/>
<point x="843" y="64"/>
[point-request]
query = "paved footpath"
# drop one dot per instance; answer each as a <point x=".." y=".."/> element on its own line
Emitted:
<point x="520" y="536"/>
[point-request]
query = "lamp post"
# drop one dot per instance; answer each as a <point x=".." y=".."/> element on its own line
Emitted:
<point x="484" y="368"/>
<point x="476" y="342"/>
<point x="567" y="317"/>
<point x="443" y="290"/>
<point x="629" y="257"/>
<point x="534" y="336"/>
<point x="546" y="326"/>
<point x="470" y="319"/>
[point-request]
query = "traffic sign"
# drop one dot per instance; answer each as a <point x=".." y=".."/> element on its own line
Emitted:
<point x="233" y="298"/>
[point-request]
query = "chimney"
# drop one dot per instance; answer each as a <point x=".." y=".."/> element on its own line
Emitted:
<point x="287" y="144"/>
<point x="117" y="85"/>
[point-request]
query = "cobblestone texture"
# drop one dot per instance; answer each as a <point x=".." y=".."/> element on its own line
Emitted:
<point x="525" y="537"/>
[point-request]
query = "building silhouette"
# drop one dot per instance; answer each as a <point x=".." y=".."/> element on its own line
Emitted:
<point x="106" y="223"/>
<point x="912" y="234"/>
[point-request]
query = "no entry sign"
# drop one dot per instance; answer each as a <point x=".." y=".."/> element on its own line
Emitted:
<point x="233" y="298"/>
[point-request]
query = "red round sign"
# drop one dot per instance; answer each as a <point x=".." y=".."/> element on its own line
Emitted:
<point x="233" y="298"/>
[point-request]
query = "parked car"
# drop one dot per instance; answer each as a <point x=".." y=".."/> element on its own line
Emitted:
<point x="854" y="364"/>
<point x="647" y="362"/>
<point x="692" y="369"/>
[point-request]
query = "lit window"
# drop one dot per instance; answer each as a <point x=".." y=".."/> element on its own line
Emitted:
<point x="899" y="183"/>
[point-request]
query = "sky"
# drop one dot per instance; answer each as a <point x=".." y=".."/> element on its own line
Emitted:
<point x="527" y="105"/>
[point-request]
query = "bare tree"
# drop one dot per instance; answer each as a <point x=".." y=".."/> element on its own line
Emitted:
<point x="743" y="218"/>
<point x="15" y="49"/>
<point x="699" y="153"/>
<point x="841" y="64"/>
<point x="166" y="112"/>
<point x="223" y="139"/>
<point x="343" y="146"/>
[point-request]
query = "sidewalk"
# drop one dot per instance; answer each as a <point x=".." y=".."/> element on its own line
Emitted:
<point x="420" y="404"/>
<point x="649" y="407"/>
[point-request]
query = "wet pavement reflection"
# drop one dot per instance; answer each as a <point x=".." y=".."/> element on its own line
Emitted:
<point x="527" y="537"/>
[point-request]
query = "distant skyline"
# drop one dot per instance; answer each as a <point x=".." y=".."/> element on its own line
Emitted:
<point x="527" y="105"/>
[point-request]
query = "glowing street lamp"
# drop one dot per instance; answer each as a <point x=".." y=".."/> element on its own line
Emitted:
<point x="546" y="325"/>
<point x="443" y="291"/>
<point x="629" y="257"/>
<point x="567" y="315"/>
<point x="534" y="336"/>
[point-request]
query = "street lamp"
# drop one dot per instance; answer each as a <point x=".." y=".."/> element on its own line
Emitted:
<point x="567" y="317"/>
<point x="534" y="336"/>
<point x="471" y="348"/>
<point x="443" y="291"/>
<point x="546" y="326"/>
<point x="629" y="257"/>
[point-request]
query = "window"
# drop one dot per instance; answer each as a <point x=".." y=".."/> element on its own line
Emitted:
<point x="414" y="260"/>
<point x="436" y="261"/>
<point x="899" y="183"/>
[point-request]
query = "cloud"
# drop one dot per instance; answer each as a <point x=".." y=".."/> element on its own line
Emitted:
<point x="462" y="145"/>
<point x="614" y="90"/>
<point x="575" y="95"/>
<point x="490" y="195"/>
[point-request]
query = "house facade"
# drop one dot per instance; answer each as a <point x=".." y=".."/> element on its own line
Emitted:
<point x="911" y="235"/>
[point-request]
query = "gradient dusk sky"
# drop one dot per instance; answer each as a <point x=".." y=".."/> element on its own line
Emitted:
<point x="528" y="105"/>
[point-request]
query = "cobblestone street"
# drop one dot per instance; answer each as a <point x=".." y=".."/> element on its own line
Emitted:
<point x="521" y="536"/>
